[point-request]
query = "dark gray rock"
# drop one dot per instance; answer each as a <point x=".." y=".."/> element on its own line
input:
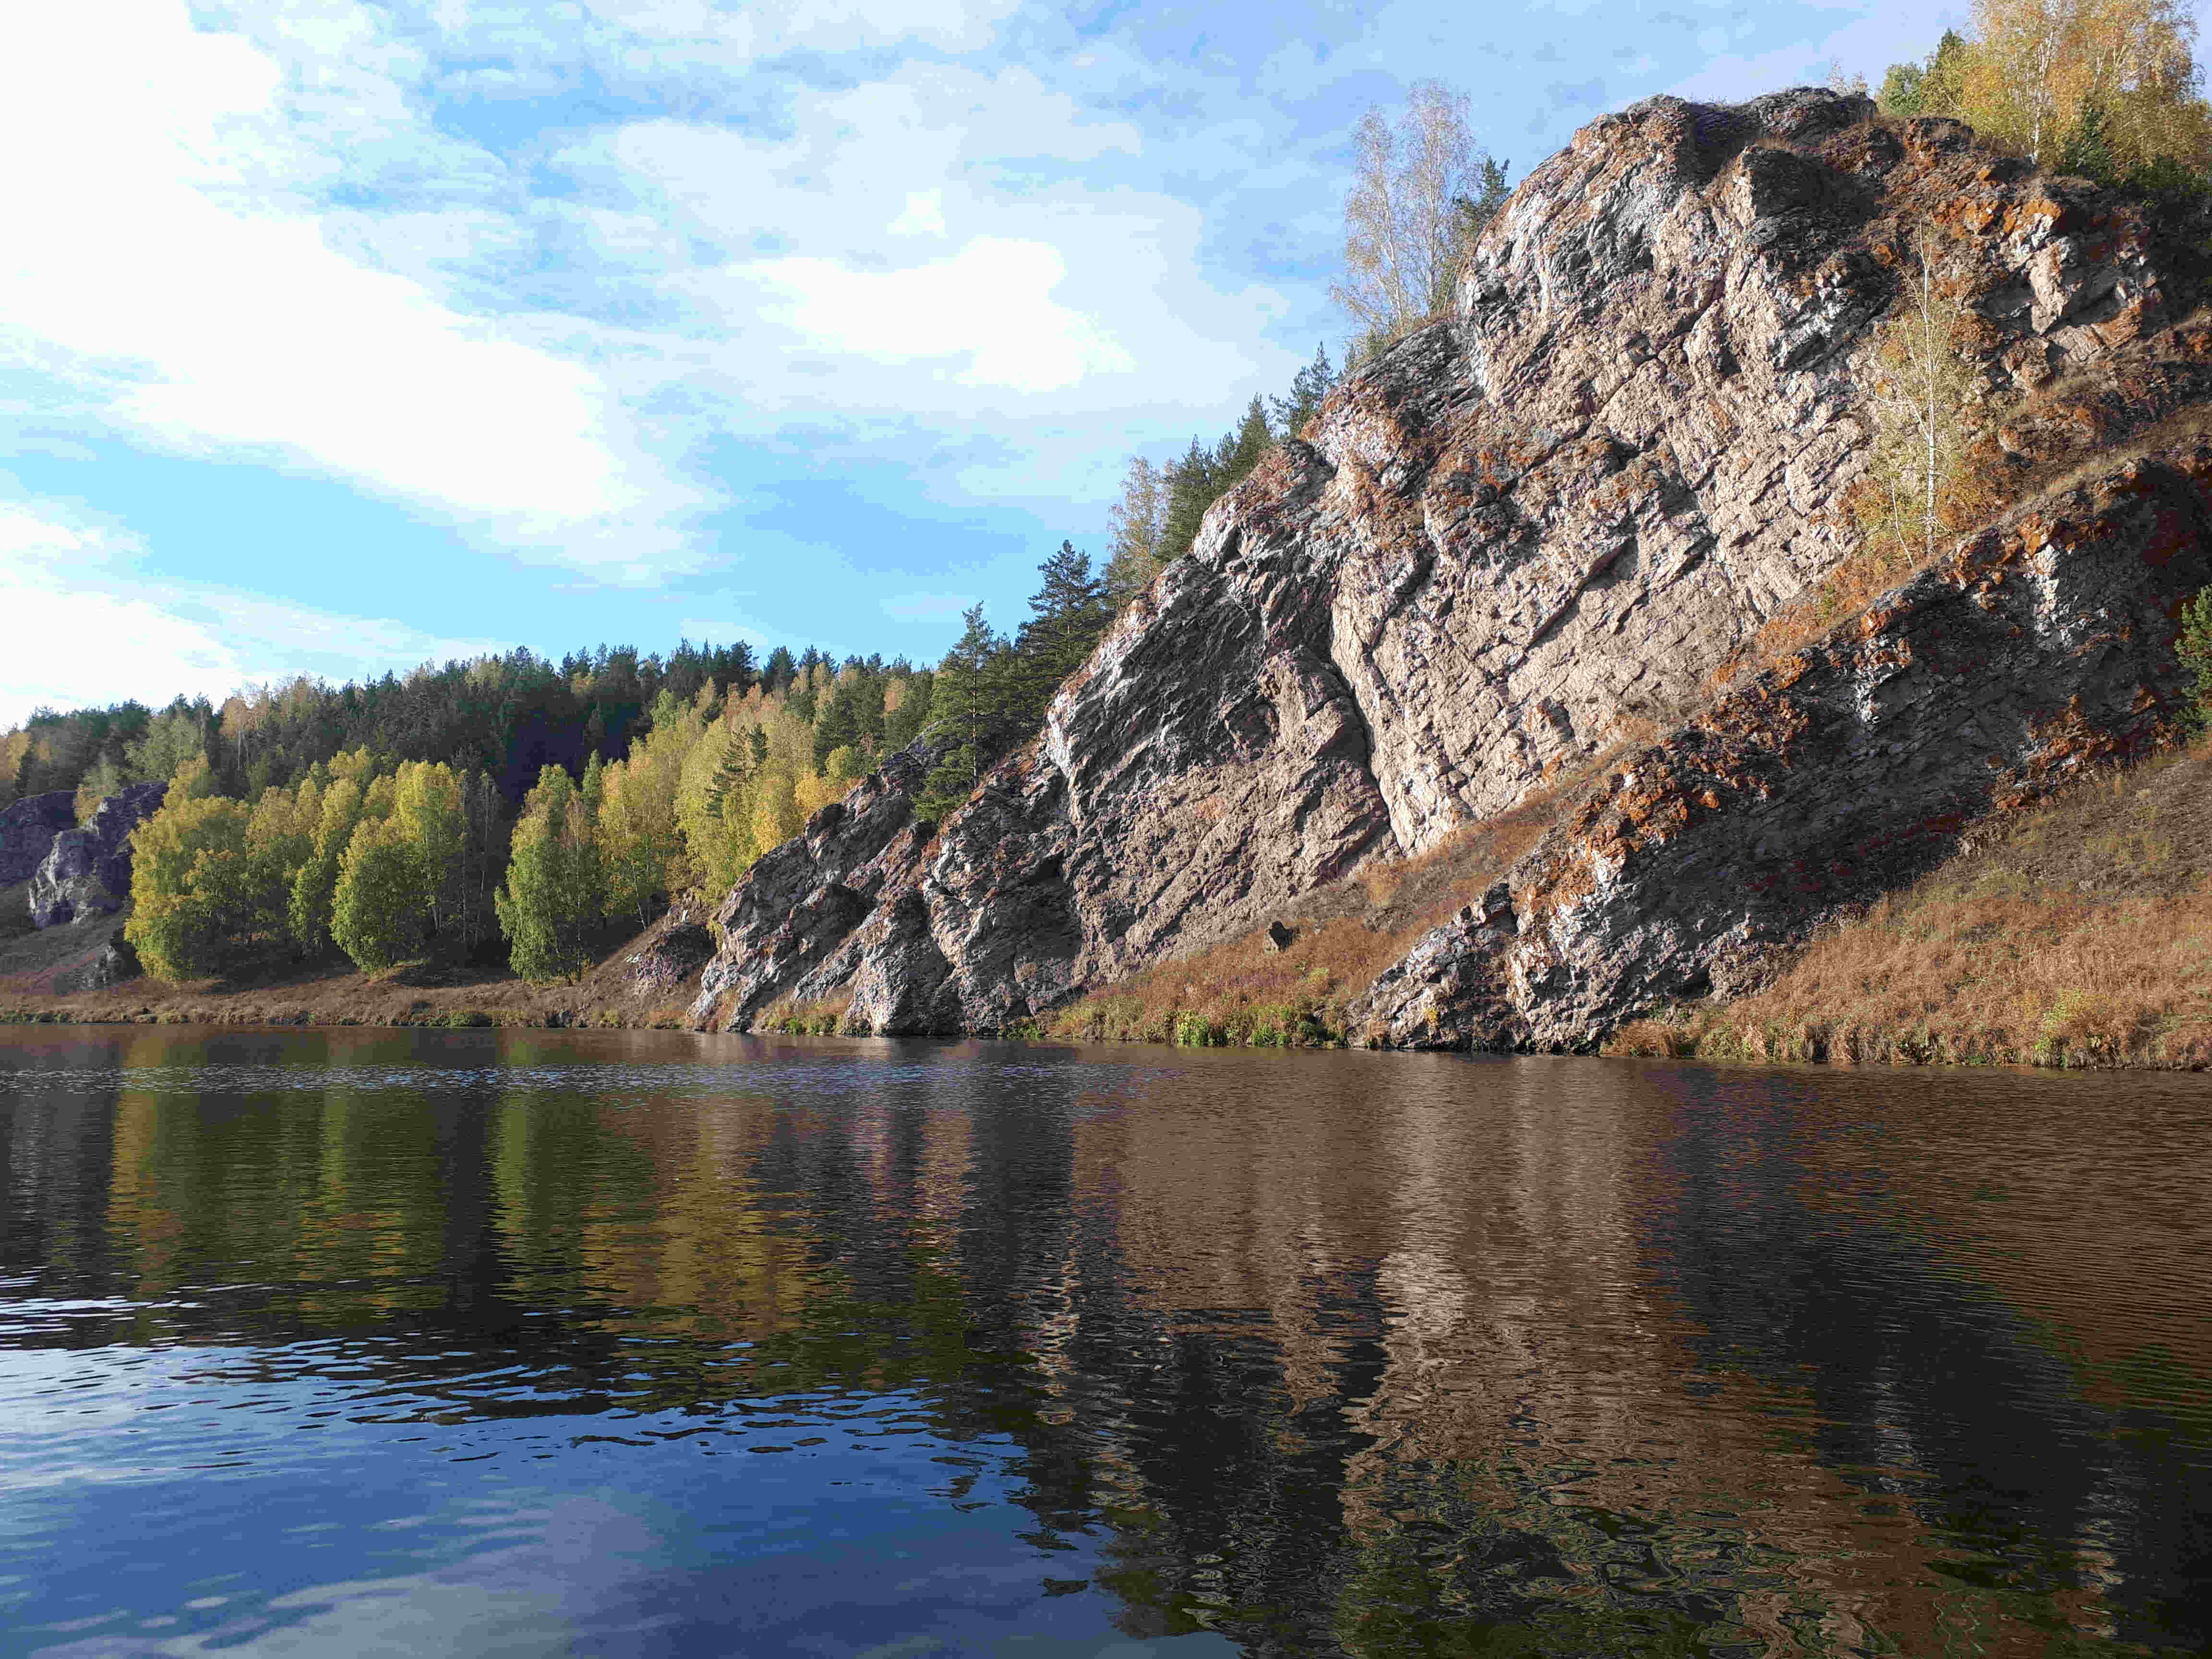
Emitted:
<point x="1279" y="936"/>
<point x="87" y="871"/>
<point x="27" y="830"/>
<point x="115" y="962"/>
<point x="673" y="953"/>
<point x="785" y="926"/>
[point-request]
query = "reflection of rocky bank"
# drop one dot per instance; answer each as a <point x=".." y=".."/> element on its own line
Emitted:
<point x="1312" y="1350"/>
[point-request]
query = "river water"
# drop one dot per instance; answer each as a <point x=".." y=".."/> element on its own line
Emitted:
<point x="343" y="1343"/>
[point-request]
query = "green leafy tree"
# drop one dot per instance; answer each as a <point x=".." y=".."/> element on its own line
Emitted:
<point x="556" y="889"/>
<point x="315" y="886"/>
<point x="177" y="734"/>
<point x="192" y="910"/>
<point x="1934" y="87"/>
<point x="431" y="814"/>
<point x="2194" y="648"/>
<point x="380" y="913"/>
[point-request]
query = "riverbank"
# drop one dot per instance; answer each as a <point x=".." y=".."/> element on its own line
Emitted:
<point x="38" y="968"/>
<point x="2077" y="935"/>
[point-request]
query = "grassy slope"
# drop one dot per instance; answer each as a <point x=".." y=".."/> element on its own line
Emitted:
<point x="2077" y="933"/>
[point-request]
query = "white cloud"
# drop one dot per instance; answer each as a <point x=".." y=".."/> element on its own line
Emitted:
<point x="991" y="302"/>
<point x="761" y="29"/>
<point x="85" y="630"/>
<point x="789" y="256"/>
<point x="202" y="309"/>
<point x="922" y="215"/>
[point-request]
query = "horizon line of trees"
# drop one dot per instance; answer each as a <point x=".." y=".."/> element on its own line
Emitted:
<point x="387" y="854"/>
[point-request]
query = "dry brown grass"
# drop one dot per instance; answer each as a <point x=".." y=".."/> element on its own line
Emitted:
<point x="2079" y="934"/>
<point x="1239" y="992"/>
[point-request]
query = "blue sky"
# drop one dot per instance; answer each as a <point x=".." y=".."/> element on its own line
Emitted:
<point x="337" y="337"/>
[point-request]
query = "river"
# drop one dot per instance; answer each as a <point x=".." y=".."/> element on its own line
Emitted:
<point x="355" y="1342"/>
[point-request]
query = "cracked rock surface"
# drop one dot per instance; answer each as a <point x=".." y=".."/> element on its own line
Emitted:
<point x="1522" y="533"/>
<point x="86" y="872"/>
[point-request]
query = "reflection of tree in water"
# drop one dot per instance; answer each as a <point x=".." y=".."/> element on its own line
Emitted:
<point x="1430" y="1360"/>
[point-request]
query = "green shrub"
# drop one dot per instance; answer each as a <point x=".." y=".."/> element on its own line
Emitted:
<point x="2194" y="649"/>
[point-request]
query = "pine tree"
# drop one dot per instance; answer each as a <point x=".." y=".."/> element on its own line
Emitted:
<point x="1068" y="613"/>
<point x="965" y="706"/>
<point x="1289" y="416"/>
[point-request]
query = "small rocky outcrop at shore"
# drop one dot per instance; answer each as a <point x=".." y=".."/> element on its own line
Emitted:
<point x="112" y="963"/>
<point x="670" y="954"/>
<point x="27" y="829"/>
<point x="87" y="871"/>
<point x="1531" y="535"/>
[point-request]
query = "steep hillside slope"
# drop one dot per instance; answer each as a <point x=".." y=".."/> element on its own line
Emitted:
<point x="1527" y="533"/>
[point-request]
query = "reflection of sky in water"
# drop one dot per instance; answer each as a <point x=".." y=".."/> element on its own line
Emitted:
<point x="220" y="1512"/>
<point x="542" y="1343"/>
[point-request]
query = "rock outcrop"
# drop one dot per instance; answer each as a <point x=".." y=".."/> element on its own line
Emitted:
<point x="113" y="963"/>
<point x="2039" y="646"/>
<point x="1518" y="538"/>
<point x="27" y="829"/>
<point x="87" y="871"/>
<point x="672" y="953"/>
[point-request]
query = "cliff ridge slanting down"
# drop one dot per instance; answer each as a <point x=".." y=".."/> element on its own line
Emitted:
<point x="1534" y="531"/>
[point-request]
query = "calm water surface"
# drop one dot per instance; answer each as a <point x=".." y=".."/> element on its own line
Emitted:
<point x="479" y="1343"/>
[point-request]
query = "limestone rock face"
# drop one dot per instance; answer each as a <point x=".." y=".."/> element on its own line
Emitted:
<point x="1521" y="534"/>
<point x="87" y="871"/>
<point x="2041" y="645"/>
<point x="27" y="829"/>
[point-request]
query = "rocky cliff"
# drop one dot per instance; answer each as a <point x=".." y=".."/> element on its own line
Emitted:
<point x="86" y="872"/>
<point x="27" y="829"/>
<point x="1526" y="538"/>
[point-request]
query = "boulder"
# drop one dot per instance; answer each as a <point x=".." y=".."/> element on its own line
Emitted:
<point x="111" y="965"/>
<point x="673" y="952"/>
<point x="87" y="871"/>
<point x="27" y="830"/>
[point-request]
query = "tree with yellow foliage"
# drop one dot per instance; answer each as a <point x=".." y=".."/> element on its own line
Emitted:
<point x="2115" y="82"/>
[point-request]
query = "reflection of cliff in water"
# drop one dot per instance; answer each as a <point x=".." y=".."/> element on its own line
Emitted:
<point x="1418" y="1353"/>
